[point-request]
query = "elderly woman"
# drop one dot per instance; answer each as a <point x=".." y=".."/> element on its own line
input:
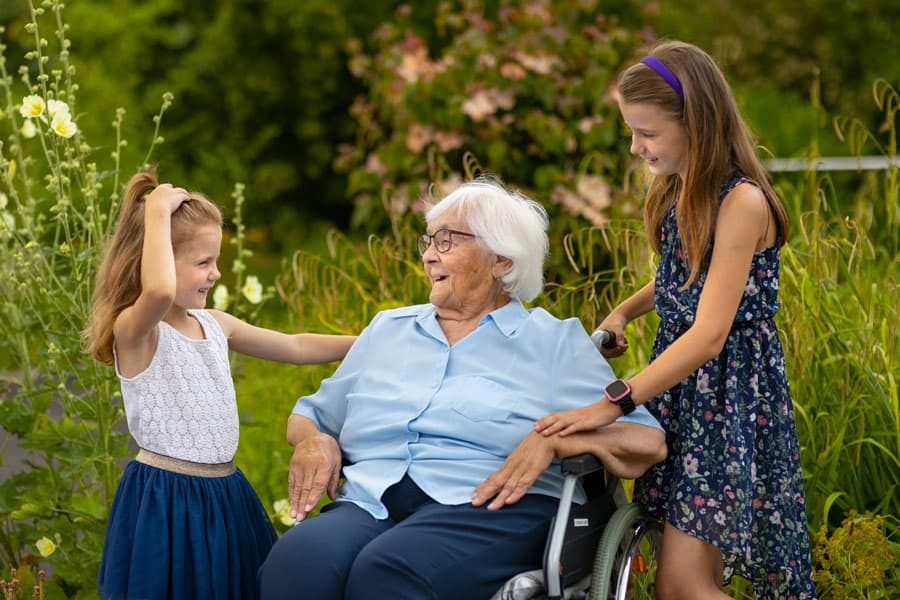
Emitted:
<point x="448" y="489"/>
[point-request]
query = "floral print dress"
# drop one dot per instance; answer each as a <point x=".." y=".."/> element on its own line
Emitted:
<point x="732" y="477"/>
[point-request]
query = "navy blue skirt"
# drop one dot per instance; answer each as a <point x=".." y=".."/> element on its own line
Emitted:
<point x="172" y="536"/>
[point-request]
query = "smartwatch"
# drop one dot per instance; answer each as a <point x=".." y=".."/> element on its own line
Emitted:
<point x="619" y="393"/>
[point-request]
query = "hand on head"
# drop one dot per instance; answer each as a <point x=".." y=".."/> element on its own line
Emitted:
<point x="167" y="195"/>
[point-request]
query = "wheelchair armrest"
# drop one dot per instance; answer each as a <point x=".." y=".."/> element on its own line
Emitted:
<point x="580" y="464"/>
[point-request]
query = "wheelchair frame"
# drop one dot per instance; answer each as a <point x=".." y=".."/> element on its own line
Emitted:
<point x="601" y="549"/>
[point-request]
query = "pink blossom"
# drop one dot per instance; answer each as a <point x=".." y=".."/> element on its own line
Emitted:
<point x="417" y="137"/>
<point x="479" y="106"/>
<point x="448" y="140"/>
<point x="513" y="71"/>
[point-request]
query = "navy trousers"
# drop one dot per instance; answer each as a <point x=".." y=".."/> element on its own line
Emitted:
<point x="423" y="550"/>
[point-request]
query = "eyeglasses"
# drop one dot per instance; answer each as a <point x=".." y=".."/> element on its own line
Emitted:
<point x="442" y="238"/>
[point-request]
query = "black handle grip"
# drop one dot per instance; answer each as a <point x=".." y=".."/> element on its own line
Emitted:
<point x="604" y="338"/>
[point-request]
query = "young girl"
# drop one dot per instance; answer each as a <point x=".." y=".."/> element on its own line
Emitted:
<point x="731" y="489"/>
<point x="184" y="523"/>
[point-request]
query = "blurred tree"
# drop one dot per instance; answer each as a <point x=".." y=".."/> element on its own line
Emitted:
<point x="527" y="89"/>
<point x="261" y="92"/>
<point x="775" y="53"/>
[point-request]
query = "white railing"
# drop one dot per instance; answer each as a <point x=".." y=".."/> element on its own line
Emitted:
<point x="832" y="163"/>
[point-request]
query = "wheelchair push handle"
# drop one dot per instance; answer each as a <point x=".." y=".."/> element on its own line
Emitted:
<point x="604" y="338"/>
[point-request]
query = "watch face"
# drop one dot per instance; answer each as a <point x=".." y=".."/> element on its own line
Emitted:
<point x="617" y="389"/>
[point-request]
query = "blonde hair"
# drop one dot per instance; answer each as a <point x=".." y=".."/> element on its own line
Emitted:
<point x="118" y="282"/>
<point x="718" y="143"/>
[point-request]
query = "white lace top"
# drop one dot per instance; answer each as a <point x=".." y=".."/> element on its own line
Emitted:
<point x="183" y="404"/>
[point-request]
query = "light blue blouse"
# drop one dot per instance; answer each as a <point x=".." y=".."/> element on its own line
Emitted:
<point x="404" y="400"/>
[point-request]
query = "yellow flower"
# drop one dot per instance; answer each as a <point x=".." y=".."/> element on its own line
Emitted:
<point x="58" y="109"/>
<point x="283" y="512"/>
<point x="221" y="298"/>
<point x="64" y="250"/>
<point x="63" y="126"/>
<point x="4" y="200"/>
<point x="12" y="169"/>
<point x="252" y="290"/>
<point x="45" y="546"/>
<point x="28" y="129"/>
<point x="32" y="106"/>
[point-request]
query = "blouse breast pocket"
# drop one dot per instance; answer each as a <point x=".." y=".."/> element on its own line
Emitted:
<point x="480" y="399"/>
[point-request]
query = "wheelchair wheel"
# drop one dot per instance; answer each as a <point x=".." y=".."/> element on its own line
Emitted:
<point x="626" y="561"/>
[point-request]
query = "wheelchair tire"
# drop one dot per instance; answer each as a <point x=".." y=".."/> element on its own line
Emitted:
<point x="626" y="560"/>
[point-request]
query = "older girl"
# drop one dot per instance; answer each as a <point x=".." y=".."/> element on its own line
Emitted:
<point x="731" y="488"/>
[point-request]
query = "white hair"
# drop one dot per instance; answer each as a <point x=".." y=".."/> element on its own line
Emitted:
<point x="506" y="223"/>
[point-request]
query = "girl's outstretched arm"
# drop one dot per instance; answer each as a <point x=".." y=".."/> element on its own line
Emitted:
<point x="297" y="348"/>
<point x="134" y="328"/>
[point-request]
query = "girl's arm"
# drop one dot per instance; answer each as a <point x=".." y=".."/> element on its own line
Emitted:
<point x="741" y="229"/>
<point x="135" y="326"/>
<point x="297" y="348"/>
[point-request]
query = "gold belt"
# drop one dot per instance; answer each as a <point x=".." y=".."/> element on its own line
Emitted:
<point x="184" y="467"/>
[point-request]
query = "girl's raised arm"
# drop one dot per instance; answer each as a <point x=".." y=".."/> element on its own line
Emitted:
<point x="134" y="326"/>
<point x="297" y="348"/>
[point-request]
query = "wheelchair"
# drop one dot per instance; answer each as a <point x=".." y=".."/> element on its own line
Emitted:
<point x="604" y="549"/>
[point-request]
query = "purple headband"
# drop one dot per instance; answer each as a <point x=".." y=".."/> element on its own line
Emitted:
<point x="664" y="72"/>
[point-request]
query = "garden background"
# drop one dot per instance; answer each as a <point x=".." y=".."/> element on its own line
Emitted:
<point x="319" y="126"/>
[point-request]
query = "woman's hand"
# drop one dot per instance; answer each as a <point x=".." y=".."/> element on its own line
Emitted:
<point x="515" y="477"/>
<point x="315" y="467"/>
<point x="586" y="418"/>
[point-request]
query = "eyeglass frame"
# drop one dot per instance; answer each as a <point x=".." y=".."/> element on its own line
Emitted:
<point x="425" y="240"/>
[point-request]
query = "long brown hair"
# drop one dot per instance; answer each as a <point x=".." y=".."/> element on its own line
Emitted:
<point x="718" y="143"/>
<point x="118" y="282"/>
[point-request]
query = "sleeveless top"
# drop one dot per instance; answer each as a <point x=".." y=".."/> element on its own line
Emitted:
<point x="183" y="404"/>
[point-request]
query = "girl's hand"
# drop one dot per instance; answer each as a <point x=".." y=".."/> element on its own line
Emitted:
<point x="168" y="196"/>
<point x="617" y="326"/>
<point x="586" y="418"/>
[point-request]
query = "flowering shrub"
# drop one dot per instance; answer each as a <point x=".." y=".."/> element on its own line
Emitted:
<point x="853" y="560"/>
<point x="529" y="92"/>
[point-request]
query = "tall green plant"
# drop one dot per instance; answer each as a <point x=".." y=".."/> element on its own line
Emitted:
<point x="58" y="198"/>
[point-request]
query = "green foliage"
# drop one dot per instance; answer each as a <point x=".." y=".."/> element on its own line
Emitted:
<point x="57" y="401"/>
<point x="58" y="202"/>
<point x="775" y="52"/>
<point x="527" y="91"/>
<point x="262" y="86"/>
